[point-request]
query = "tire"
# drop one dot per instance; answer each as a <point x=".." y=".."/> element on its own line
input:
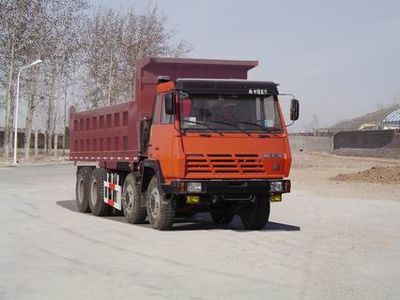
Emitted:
<point x="222" y="218"/>
<point x="256" y="216"/>
<point x="96" y="200"/>
<point x="82" y="190"/>
<point x="131" y="197"/>
<point x="159" y="211"/>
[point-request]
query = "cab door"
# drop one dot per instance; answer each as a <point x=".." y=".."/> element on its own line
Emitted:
<point x="161" y="137"/>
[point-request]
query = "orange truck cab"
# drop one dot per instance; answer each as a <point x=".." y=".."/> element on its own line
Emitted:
<point x="199" y="138"/>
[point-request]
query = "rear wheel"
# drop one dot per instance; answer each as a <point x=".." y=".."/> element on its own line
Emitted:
<point x="222" y="217"/>
<point x="82" y="189"/>
<point x="159" y="209"/>
<point x="96" y="203"/>
<point x="256" y="216"/>
<point x="131" y="197"/>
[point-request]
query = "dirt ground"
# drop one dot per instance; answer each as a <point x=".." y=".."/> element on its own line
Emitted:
<point x="327" y="239"/>
<point x="347" y="175"/>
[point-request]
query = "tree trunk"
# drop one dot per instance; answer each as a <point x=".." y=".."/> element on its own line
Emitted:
<point x="28" y="124"/>
<point x="9" y="93"/>
<point x="11" y="138"/>
<point x="36" y="142"/>
<point x="55" y="144"/>
<point x="54" y="125"/>
<point x="45" y="142"/>
<point x="34" y="85"/>
<point x="50" y="109"/>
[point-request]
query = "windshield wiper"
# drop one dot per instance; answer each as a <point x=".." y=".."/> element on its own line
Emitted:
<point x="203" y="124"/>
<point x="232" y="125"/>
<point x="250" y="123"/>
<point x="266" y="129"/>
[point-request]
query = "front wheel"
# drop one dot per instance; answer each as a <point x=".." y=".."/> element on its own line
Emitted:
<point x="160" y="210"/>
<point x="256" y="216"/>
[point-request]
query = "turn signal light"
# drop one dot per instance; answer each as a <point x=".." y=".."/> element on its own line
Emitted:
<point x="275" y="198"/>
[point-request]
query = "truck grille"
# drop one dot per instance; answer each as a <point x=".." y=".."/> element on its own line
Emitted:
<point x="224" y="163"/>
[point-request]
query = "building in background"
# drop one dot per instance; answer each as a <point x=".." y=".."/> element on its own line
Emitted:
<point x="370" y="126"/>
<point x="392" y="121"/>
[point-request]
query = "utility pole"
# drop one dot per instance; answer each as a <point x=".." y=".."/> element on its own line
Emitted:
<point x="315" y="123"/>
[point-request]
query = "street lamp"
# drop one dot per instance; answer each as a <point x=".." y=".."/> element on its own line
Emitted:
<point x="16" y="107"/>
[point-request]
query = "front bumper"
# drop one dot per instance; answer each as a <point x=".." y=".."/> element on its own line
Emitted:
<point x="224" y="187"/>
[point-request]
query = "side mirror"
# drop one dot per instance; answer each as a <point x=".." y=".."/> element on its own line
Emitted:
<point x="294" y="110"/>
<point x="169" y="100"/>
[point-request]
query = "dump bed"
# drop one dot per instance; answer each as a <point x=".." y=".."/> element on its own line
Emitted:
<point x="149" y="69"/>
<point x="111" y="134"/>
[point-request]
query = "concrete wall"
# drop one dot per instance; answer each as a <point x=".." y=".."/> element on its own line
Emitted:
<point x="382" y="143"/>
<point x="363" y="139"/>
<point x="310" y="143"/>
<point x="395" y="142"/>
<point x="41" y="138"/>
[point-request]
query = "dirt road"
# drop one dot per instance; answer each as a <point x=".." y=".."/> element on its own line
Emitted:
<point x="326" y="240"/>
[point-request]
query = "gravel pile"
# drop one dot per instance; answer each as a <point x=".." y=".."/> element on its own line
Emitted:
<point x="375" y="174"/>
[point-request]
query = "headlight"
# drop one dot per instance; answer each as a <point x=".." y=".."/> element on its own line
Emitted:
<point x="193" y="187"/>
<point x="276" y="186"/>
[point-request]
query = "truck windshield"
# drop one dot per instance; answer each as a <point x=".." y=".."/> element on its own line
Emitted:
<point x="245" y="113"/>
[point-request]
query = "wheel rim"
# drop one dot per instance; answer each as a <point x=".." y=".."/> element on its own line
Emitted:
<point x="155" y="203"/>
<point x="81" y="190"/>
<point x="93" y="193"/>
<point x="129" y="198"/>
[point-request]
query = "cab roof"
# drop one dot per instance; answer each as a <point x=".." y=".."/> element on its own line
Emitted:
<point x="226" y="86"/>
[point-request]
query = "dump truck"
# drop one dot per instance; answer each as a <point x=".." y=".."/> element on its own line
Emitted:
<point x="198" y="137"/>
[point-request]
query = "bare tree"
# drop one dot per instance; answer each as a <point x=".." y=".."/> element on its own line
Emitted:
<point x="13" y="25"/>
<point x="115" y="42"/>
<point x="91" y="57"/>
<point x="37" y="40"/>
<point x="30" y="29"/>
<point x="102" y="57"/>
<point x="62" y="43"/>
<point x="146" y="35"/>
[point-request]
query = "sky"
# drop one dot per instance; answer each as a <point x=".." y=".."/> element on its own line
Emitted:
<point x="339" y="58"/>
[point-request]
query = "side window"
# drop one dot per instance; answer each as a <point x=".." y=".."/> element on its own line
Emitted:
<point x="156" y="111"/>
<point x="165" y="119"/>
